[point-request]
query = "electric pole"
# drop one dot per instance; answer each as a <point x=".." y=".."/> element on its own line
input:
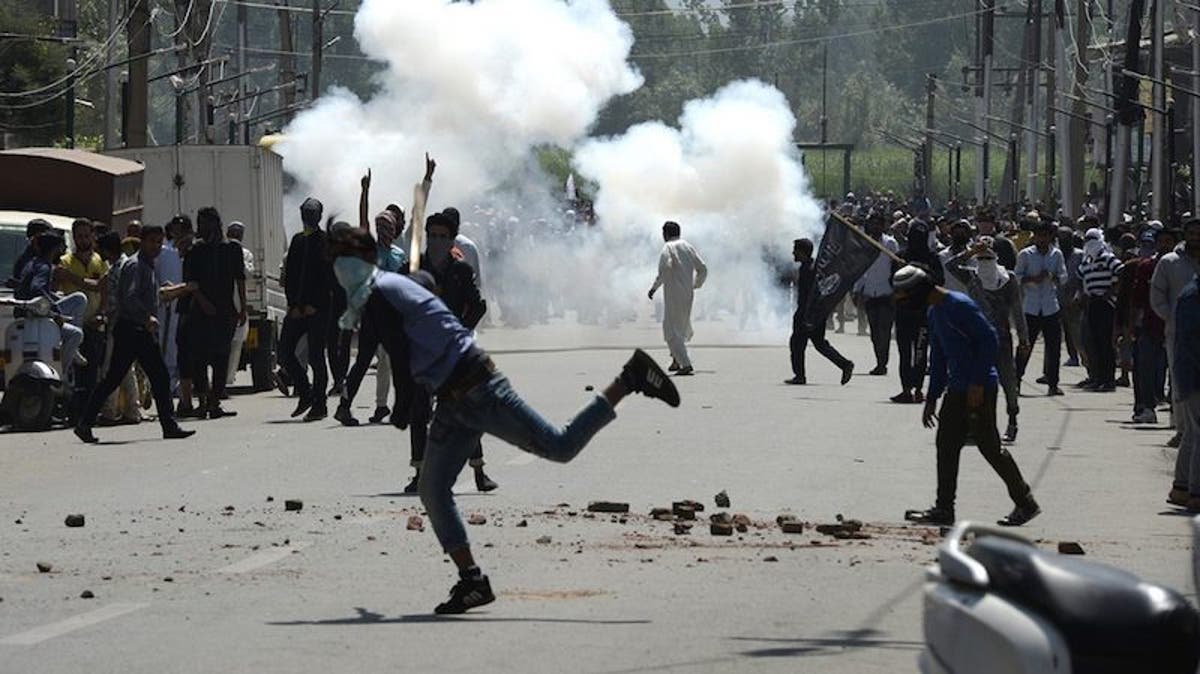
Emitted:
<point x="138" y="35"/>
<point x="242" y="111"/>
<point x="1127" y="113"/>
<point x="70" y="104"/>
<point x="112" y="97"/>
<point x="1158" y="127"/>
<point x="927" y="159"/>
<point x="1195" y="105"/>
<point x="1034" y="90"/>
<point x="318" y="44"/>
<point x="987" y="25"/>
<point x="287" y="62"/>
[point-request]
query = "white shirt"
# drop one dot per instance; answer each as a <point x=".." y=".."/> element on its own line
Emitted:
<point x="876" y="282"/>
<point x="471" y="256"/>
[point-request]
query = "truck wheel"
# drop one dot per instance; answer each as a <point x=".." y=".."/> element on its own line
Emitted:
<point x="33" y="405"/>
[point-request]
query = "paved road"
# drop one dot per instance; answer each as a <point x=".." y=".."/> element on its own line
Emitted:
<point x="196" y="566"/>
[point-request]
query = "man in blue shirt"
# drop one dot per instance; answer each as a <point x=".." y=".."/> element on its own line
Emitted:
<point x="431" y="348"/>
<point x="1186" y="382"/>
<point x="962" y="364"/>
<point x="1042" y="270"/>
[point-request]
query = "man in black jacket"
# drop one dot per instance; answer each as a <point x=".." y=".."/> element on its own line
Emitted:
<point x="308" y="283"/>
<point x="456" y="286"/>
<point x="802" y="252"/>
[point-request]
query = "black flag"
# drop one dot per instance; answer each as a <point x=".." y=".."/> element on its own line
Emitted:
<point x="843" y="258"/>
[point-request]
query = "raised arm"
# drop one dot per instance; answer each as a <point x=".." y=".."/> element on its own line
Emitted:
<point x="364" y="197"/>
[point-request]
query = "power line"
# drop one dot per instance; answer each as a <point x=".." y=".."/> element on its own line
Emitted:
<point x="827" y="38"/>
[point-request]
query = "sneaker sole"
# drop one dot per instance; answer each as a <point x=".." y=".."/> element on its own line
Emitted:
<point x="656" y="377"/>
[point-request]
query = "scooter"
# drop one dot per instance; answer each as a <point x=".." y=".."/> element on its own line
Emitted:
<point x="1002" y="606"/>
<point x="34" y="386"/>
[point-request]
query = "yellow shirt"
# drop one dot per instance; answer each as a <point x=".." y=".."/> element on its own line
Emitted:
<point x="95" y="268"/>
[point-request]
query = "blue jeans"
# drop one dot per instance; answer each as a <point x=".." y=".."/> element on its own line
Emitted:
<point x="494" y="408"/>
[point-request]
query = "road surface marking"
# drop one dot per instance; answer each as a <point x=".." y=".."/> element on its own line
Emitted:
<point x="261" y="559"/>
<point x="46" y="632"/>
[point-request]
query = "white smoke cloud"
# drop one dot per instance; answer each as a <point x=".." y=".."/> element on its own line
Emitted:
<point x="729" y="174"/>
<point x="477" y="85"/>
<point x="480" y="85"/>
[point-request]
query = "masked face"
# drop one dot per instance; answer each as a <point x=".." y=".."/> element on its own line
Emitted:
<point x="357" y="278"/>
<point x="1093" y="248"/>
<point x="989" y="272"/>
<point x="440" y="241"/>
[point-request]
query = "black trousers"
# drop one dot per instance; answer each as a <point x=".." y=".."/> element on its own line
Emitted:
<point x="133" y="343"/>
<point x="368" y="346"/>
<point x="339" y="354"/>
<point x="1051" y="327"/>
<point x="881" y="313"/>
<point x="1102" y="358"/>
<point x="314" y="328"/>
<point x="92" y="348"/>
<point x="211" y="340"/>
<point x="803" y="334"/>
<point x="954" y="422"/>
<point x="912" y="341"/>
<point x="421" y="413"/>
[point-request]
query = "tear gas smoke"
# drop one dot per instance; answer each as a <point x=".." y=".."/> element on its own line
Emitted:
<point x="481" y="85"/>
<point x="477" y="85"/>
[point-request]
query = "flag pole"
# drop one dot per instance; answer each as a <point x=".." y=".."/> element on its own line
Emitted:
<point x="871" y="240"/>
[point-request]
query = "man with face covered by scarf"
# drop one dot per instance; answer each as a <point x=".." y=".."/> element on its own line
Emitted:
<point x="956" y="253"/>
<point x="998" y="294"/>
<point x="1099" y="271"/>
<point x="432" y="349"/>
<point x="912" y="332"/>
<point x="309" y="286"/>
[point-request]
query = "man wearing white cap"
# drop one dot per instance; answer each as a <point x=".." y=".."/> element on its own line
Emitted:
<point x="1099" y="273"/>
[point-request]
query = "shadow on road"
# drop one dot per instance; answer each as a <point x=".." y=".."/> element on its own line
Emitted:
<point x="832" y="645"/>
<point x="367" y="617"/>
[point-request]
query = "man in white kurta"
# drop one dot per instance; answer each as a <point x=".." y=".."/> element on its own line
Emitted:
<point x="680" y="272"/>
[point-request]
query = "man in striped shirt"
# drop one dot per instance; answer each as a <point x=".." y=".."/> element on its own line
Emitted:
<point x="1099" y="274"/>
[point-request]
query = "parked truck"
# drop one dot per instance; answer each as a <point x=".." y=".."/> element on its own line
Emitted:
<point x="243" y="183"/>
<point x="56" y="185"/>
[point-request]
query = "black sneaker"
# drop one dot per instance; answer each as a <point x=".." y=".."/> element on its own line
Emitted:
<point x="316" y="413"/>
<point x="1021" y="514"/>
<point x="878" y="371"/>
<point x="189" y="412"/>
<point x="84" y="433"/>
<point x="380" y="414"/>
<point x="302" y="405"/>
<point x="685" y="371"/>
<point x="798" y="380"/>
<point x="935" y="516"/>
<point x="176" y="433"/>
<point x="1054" y="391"/>
<point x="847" y="373"/>
<point x="467" y="593"/>
<point x="902" y="398"/>
<point x="414" y="485"/>
<point x="218" y="412"/>
<point x="642" y="375"/>
<point x="484" y="483"/>
<point x="1010" y="433"/>
<point x="345" y="416"/>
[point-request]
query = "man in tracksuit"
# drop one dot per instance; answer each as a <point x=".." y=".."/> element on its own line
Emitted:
<point x="962" y="364"/>
<point x="430" y="347"/>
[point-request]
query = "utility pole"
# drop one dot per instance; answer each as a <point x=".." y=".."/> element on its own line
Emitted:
<point x="1052" y="122"/>
<point x="138" y="35"/>
<point x="1026" y="80"/>
<point x="1127" y="115"/>
<point x="1064" y="122"/>
<point x="242" y="111"/>
<point x="1158" y="127"/>
<point x="287" y="62"/>
<point x="987" y="29"/>
<point x="112" y="97"/>
<point x="318" y="44"/>
<point x="70" y="104"/>
<point x="1034" y="91"/>
<point x="927" y="159"/>
<point x="1080" y="120"/>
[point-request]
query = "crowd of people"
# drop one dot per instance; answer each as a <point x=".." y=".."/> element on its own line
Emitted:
<point x="161" y="314"/>
<point x="1119" y="298"/>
